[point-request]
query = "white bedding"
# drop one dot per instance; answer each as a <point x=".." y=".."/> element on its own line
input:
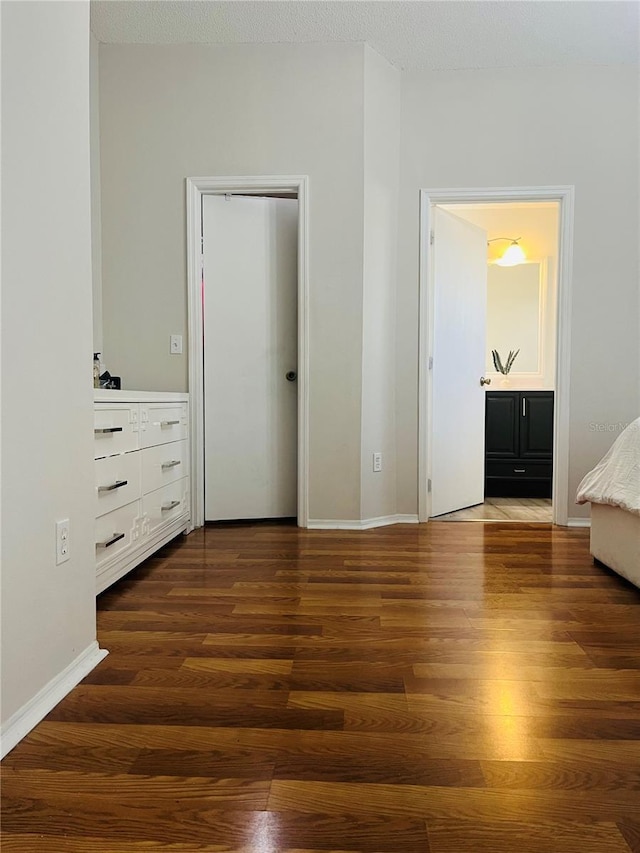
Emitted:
<point x="616" y="478"/>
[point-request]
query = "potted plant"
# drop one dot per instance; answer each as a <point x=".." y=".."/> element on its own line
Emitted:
<point x="504" y="367"/>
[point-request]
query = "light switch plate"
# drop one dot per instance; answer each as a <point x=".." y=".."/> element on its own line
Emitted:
<point x="175" y="344"/>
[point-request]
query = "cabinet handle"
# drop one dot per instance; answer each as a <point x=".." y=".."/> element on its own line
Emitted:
<point x="115" y="538"/>
<point x="172" y="505"/>
<point x="117" y="485"/>
<point x="169" y="423"/>
<point x="524" y="407"/>
<point x="105" y="430"/>
<point x="519" y="470"/>
<point x="171" y="464"/>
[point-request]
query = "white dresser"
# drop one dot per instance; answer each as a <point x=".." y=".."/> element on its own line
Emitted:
<point x="141" y="441"/>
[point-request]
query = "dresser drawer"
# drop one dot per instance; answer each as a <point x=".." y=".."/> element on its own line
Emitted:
<point x="116" y="531"/>
<point x="165" y="504"/>
<point x="115" y="429"/>
<point x="524" y="470"/>
<point x="161" y="423"/>
<point x="163" y="464"/>
<point x="117" y="481"/>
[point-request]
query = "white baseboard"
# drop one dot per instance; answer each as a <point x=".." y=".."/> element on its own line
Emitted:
<point x="578" y="522"/>
<point x="31" y="713"/>
<point x="359" y="524"/>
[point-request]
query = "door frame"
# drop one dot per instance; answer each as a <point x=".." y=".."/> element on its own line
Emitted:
<point x="248" y="185"/>
<point x="487" y="195"/>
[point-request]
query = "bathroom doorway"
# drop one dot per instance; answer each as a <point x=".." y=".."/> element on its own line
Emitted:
<point x="492" y="441"/>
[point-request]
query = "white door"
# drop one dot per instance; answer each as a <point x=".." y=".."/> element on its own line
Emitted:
<point x="459" y="332"/>
<point x="250" y="345"/>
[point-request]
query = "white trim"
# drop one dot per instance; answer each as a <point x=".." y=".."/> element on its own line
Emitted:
<point x="36" y="709"/>
<point x="405" y="519"/>
<point x="195" y="188"/>
<point x="578" y="522"/>
<point x="360" y="524"/>
<point x="565" y="196"/>
<point x="560" y="487"/>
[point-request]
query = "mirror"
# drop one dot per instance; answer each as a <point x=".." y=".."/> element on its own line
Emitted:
<point x="514" y="313"/>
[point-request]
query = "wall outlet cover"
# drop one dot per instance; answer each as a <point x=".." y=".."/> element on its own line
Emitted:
<point x="63" y="535"/>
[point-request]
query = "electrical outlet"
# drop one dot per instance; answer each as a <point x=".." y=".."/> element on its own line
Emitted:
<point x="62" y="541"/>
<point x="377" y="462"/>
<point x="175" y="344"/>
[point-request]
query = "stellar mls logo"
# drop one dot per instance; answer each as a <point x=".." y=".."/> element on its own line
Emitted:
<point x="611" y="427"/>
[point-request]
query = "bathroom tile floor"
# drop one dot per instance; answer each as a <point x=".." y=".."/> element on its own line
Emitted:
<point x="504" y="509"/>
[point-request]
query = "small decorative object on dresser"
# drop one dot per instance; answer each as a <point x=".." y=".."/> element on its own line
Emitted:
<point x="505" y="368"/>
<point x="508" y="364"/>
<point x="141" y="443"/>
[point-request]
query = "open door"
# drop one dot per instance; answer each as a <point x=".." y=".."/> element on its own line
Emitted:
<point x="459" y="332"/>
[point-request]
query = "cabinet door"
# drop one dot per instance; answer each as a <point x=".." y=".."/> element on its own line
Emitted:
<point x="536" y="425"/>
<point x="501" y="424"/>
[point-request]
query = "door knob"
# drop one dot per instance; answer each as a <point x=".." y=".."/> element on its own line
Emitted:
<point x="484" y="381"/>
<point x="291" y="376"/>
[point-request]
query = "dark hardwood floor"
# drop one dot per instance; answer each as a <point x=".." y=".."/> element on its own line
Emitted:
<point x="443" y="688"/>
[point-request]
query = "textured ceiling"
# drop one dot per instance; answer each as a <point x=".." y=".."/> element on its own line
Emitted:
<point x="436" y="34"/>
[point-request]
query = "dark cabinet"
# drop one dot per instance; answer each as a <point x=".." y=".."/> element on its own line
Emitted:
<point x="536" y="425"/>
<point x="518" y="443"/>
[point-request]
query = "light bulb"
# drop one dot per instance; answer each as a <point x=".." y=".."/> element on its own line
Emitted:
<point x="512" y="256"/>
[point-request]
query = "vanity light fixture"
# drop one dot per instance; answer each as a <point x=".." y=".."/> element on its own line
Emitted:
<point x="513" y="254"/>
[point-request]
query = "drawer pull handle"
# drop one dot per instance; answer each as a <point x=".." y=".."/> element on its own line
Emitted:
<point x="520" y="470"/>
<point x="172" y="505"/>
<point x="117" y="485"/>
<point x="106" y="430"/>
<point x="107" y="544"/>
<point x="169" y="423"/>
<point x="171" y="464"/>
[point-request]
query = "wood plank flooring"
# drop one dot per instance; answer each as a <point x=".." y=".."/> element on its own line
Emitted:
<point x="504" y="509"/>
<point x="418" y="689"/>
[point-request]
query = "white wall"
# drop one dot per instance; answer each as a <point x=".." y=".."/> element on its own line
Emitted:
<point x="534" y="127"/>
<point x="173" y="111"/>
<point x="48" y="611"/>
<point x="381" y="176"/>
<point x="96" y="225"/>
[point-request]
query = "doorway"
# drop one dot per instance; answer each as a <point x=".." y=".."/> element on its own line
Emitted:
<point x="522" y="466"/>
<point x="246" y="466"/>
<point x="250" y="356"/>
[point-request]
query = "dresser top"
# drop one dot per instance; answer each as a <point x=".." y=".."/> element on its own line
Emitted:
<point x="102" y="395"/>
